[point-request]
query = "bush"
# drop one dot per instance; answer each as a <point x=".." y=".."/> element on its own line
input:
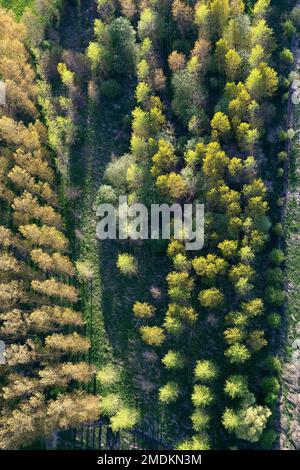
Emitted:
<point x="286" y="57"/>
<point x="274" y="320"/>
<point x="276" y="257"/>
<point x="275" y="296"/>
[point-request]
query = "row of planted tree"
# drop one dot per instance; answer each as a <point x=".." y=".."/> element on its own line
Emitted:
<point x="42" y="381"/>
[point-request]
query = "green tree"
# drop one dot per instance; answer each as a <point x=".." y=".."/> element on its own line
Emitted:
<point x="205" y="371"/>
<point x="169" y="393"/>
<point x="202" y="396"/>
<point x="211" y="298"/>
<point x="127" y="264"/>
<point x="236" y="386"/>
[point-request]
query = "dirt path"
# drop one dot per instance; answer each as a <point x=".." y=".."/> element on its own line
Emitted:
<point x="290" y="397"/>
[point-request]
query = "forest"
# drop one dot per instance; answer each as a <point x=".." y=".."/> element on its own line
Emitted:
<point x="138" y="343"/>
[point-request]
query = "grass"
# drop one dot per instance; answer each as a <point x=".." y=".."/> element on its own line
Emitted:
<point x="18" y="6"/>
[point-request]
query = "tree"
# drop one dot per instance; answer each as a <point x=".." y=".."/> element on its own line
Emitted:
<point x="125" y="419"/>
<point x="261" y="9"/>
<point x="228" y="248"/>
<point x="121" y="47"/>
<point x="215" y="161"/>
<point x="44" y="236"/>
<point x="165" y="159"/>
<point x="252" y="421"/>
<point x="173" y="360"/>
<point x="276" y="257"/>
<point x="233" y="63"/>
<point x="202" y="19"/>
<point x="111" y="404"/>
<point x="183" y="15"/>
<point x="176" y="61"/>
<point x="199" y="442"/>
<point x="257" y="340"/>
<point x="108" y="375"/>
<point x="106" y="9"/>
<point x="202" y="396"/>
<point x="230" y="420"/>
<point x="169" y="393"/>
<point x="189" y="95"/>
<point x="262" y="82"/>
<point x="172" y="185"/>
<point x="236" y="386"/>
<point x="72" y="344"/>
<point x="205" y="371"/>
<point x="128" y="8"/>
<point x="234" y="335"/>
<point x="220" y="11"/>
<point x="202" y="49"/>
<point x="143" y="310"/>
<point x="152" y="335"/>
<point x="52" y="263"/>
<point x="211" y="298"/>
<point x="127" y="265"/>
<point x="220" y="126"/>
<point x="150" y="25"/>
<point x="53" y="288"/>
<point x="275" y="297"/>
<point x="200" y="420"/>
<point x="237" y="354"/>
<point x="263" y="35"/>
<point x="210" y="267"/>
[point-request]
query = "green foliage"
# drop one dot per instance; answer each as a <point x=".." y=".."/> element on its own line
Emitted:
<point x="202" y="396"/>
<point x="237" y="354"/>
<point x="169" y="393"/>
<point x="174" y="360"/>
<point x="211" y="298"/>
<point x="127" y="265"/>
<point x="110" y="404"/>
<point x="108" y="375"/>
<point x="205" y="371"/>
<point x="125" y="419"/>
<point x="18" y="6"/>
<point x="200" y="420"/>
<point x="236" y="386"/>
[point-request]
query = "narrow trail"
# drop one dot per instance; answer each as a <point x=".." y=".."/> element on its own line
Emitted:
<point x="289" y="426"/>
